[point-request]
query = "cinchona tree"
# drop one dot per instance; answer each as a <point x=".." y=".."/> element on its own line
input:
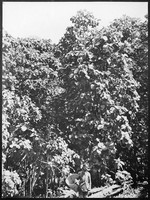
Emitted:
<point x="134" y="41"/>
<point x="30" y="141"/>
<point x="100" y="90"/>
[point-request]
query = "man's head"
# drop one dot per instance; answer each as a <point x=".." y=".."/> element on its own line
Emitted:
<point x="85" y="167"/>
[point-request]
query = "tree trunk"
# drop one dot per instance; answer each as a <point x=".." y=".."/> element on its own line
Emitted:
<point x="24" y="187"/>
<point x="30" y="182"/>
<point x="46" y="195"/>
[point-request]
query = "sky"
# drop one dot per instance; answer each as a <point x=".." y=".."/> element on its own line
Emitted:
<point x="49" y="20"/>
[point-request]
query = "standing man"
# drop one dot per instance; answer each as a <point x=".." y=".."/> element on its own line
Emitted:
<point x="84" y="181"/>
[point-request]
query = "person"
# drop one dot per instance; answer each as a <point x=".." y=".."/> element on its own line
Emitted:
<point x="84" y="182"/>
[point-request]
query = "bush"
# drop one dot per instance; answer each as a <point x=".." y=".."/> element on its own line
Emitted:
<point x="10" y="183"/>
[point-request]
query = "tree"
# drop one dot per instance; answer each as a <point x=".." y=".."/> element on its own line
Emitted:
<point x="83" y="99"/>
<point x="30" y="84"/>
<point x="99" y="89"/>
<point x="136" y="41"/>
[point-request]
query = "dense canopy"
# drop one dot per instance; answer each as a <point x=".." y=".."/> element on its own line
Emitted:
<point x="83" y="99"/>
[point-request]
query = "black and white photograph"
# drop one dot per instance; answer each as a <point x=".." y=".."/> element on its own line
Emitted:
<point x="74" y="99"/>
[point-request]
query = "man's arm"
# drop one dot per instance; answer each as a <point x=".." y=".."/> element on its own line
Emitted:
<point x="89" y="181"/>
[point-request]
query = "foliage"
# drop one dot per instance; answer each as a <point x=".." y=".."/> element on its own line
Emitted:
<point x="29" y="85"/>
<point x="10" y="183"/>
<point x="100" y="89"/>
<point x="136" y="158"/>
<point x="83" y="99"/>
<point x="123" y="176"/>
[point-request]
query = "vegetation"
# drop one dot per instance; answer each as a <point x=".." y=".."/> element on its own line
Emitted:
<point x="83" y="99"/>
